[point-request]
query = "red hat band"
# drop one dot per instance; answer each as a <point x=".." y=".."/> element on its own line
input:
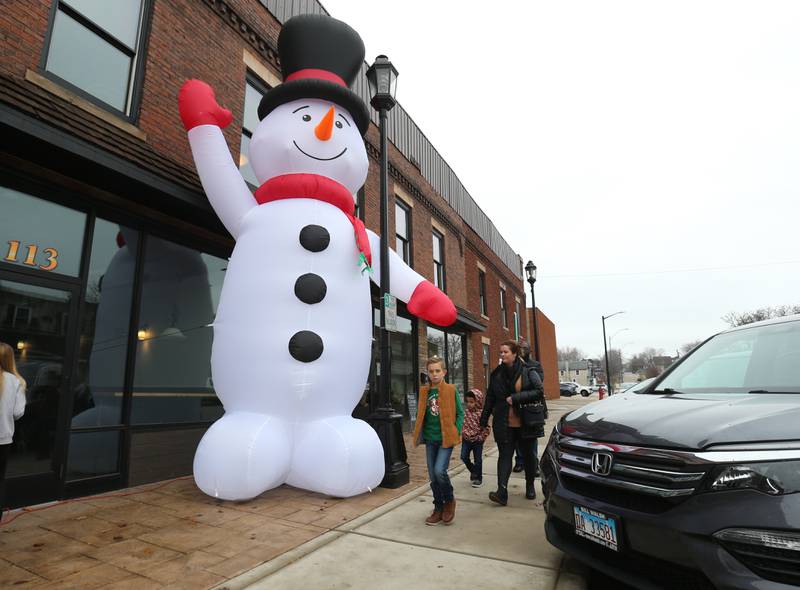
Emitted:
<point x="316" y="74"/>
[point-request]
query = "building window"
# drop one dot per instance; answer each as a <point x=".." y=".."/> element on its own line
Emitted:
<point x="402" y="225"/>
<point x="482" y="291"/>
<point x="40" y="235"/>
<point x="180" y="291"/>
<point x="438" y="260"/>
<point x="503" y="307"/>
<point x="254" y="91"/>
<point x="98" y="51"/>
<point x="516" y="320"/>
<point x="359" y="208"/>
<point x="451" y="346"/>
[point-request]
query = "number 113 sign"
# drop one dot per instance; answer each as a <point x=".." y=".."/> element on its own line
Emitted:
<point x="50" y="255"/>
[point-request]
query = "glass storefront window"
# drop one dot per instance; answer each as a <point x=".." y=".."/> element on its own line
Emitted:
<point x="180" y="293"/>
<point x="456" y="367"/>
<point x="403" y="378"/>
<point x="33" y="321"/>
<point x="104" y="327"/>
<point x="38" y="234"/>
<point x="450" y="347"/>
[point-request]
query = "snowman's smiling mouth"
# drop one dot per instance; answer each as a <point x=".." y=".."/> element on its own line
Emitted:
<point x="315" y="157"/>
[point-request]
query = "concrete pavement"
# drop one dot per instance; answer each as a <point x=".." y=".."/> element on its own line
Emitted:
<point x="487" y="546"/>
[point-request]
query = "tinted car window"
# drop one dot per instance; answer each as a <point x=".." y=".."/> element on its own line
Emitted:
<point x="758" y="358"/>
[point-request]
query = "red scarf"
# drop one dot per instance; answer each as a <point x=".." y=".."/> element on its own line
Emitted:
<point x="314" y="186"/>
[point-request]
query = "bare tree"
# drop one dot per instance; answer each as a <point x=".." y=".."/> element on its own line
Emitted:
<point x="644" y="360"/>
<point x="615" y="365"/>
<point x="685" y="348"/>
<point x="570" y="353"/>
<point x="734" y="318"/>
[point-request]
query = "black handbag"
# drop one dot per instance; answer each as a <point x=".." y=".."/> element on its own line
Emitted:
<point x="532" y="414"/>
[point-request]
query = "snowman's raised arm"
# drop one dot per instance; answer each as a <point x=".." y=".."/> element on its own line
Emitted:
<point x="204" y="119"/>
<point x="424" y="300"/>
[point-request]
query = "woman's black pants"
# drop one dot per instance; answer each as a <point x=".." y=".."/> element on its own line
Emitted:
<point x="506" y="458"/>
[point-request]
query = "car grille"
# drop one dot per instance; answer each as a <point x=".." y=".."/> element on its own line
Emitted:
<point x="661" y="573"/>
<point x="776" y="565"/>
<point x="647" y="480"/>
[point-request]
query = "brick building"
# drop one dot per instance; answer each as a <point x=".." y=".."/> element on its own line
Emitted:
<point x="112" y="259"/>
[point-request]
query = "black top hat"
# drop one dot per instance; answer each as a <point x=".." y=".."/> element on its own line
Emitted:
<point x="320" y="58"/>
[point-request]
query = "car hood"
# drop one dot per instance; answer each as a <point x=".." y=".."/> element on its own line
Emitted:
<point x="687" y="421"/>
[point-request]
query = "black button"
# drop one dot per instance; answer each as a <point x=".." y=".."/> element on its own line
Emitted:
<point x="315" y="238"/>
<point x="310" y="288"/>
<point x="305" y="346"/>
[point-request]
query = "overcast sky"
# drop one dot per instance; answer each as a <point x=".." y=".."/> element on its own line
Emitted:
<point x="645" y="155"/>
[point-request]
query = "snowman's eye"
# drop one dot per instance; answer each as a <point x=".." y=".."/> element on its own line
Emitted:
<point x="306" y="118"/>
<point x="339" y="124"/>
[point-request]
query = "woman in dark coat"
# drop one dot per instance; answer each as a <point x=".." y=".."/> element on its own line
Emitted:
<point x="512" y="385"/>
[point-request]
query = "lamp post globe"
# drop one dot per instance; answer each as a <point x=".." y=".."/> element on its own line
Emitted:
<point x="382" y="78"/>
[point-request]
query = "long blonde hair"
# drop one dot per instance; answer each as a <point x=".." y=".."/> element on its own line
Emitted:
<point x="7" y="364"/>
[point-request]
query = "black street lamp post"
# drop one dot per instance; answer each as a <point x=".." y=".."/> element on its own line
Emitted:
<point x="530" y="271"/>
<point x="605" y="348"/>
<point x="382" y="78"/>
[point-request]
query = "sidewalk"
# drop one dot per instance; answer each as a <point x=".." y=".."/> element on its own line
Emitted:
<point x="170" y="535"/>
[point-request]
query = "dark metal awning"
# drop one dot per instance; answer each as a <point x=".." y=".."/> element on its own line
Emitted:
<point x="466" y="320"/>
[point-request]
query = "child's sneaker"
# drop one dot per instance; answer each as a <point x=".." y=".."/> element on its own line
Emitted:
<point x="434" y="519"/>
<point x="476" y="483"/>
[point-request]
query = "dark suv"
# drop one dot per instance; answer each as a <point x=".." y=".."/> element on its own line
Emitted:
<point x="692" y="482"/>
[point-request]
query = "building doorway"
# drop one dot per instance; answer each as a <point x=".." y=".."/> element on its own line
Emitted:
<point x="37" y="319"/>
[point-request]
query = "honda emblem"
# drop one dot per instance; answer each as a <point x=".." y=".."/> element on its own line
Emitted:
<point x="601" y="463"/>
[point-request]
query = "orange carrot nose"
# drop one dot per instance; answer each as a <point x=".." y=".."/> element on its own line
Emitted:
<point x="324" y="130"/>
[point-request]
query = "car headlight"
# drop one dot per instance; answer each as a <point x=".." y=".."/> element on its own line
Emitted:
<point x="780" y="477"/>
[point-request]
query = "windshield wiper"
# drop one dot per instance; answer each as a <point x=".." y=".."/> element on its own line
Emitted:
<point x="667" y="390"/>
<point x="767" y="391"/>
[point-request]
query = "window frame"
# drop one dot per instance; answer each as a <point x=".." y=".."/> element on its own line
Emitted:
<point x="439" y="274"/>
<point x="262" y="88"/>
<point x="406" y="208"/>
<point x="504" y="307"/>
<point x="138" y="58"/>
<point x="482" y="293"/>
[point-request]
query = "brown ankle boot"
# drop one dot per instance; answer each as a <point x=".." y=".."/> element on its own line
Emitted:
<point x="435" y="518"/>
<point x="449" y="512"/>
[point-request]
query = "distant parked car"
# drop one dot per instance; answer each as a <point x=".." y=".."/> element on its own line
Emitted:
<point x="584" y="390"/>
<point x="568" y="389"/>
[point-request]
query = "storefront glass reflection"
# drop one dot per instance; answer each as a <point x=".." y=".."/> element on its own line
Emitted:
<point x="180" y="293"/>
<point x="102" y="351"/>
<point x="33" y="320"/>
<point x="40" y="235"/>
<point x="105" y="324"/>
<point x="450" y="347"/>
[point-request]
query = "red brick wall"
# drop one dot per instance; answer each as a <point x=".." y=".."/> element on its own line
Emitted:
<point x="547" y="351"/>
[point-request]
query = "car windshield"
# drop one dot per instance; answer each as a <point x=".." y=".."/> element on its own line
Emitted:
<point x="761" y="359"/>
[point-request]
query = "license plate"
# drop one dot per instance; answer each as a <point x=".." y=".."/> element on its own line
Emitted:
<point x="596" y="527"/>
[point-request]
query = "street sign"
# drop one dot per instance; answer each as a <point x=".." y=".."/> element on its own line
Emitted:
<point x="390" y="303"/>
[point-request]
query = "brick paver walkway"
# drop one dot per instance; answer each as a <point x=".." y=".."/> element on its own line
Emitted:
<point x="171" y="535"/>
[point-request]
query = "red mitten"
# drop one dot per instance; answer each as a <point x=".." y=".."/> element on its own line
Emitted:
<point x="198" y="106"/>
<point x="430" y="304"/>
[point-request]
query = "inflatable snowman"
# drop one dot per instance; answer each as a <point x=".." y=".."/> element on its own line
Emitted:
<point x="293" y="331"/>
